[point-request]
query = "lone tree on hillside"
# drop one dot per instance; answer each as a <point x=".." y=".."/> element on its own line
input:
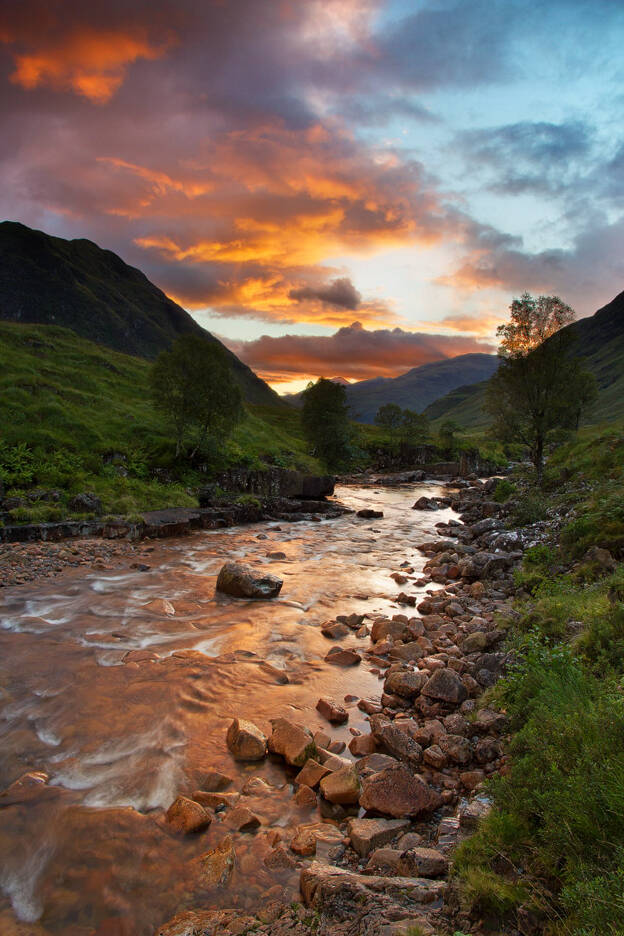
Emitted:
<point x="389" y="417"/>
<point x="194" y="386"/>
<point x="414" y="426"/>
<point x="539" y="386"/>
<point x="325" y="420"/>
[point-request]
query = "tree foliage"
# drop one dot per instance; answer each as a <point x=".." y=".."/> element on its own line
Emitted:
<point x="414" y="426"/>
<point x="389" y="417"/>
<point x="446" y="434"/>
<point x="539" y="386"/>
<point x="325" y="420"/>
<point x="194" y="386"/>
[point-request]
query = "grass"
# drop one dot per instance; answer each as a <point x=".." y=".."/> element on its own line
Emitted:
<point x="76" y="416"/>
<point x="554" y="841"/>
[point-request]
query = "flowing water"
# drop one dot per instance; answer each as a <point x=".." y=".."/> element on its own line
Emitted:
<point x="91" y="854"/>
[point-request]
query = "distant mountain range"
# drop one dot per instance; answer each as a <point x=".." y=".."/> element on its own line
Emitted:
<point x="74" y="283"/>
<point x="599" y="342"/>
<point x="417" y="388"/>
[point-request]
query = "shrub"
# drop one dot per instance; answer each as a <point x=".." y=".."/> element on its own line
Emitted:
<point x="504" y="490"/>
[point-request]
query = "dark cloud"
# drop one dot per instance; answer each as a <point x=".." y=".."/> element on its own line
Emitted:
<point x="340" y="292"/>
<point x="352" y="351"/>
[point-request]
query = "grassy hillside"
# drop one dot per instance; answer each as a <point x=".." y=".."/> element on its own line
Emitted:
<point x="599" y="342"/>
<point x="76" y="416"/>
<point x="552" y="848"/>
<point x="52" y="281"/>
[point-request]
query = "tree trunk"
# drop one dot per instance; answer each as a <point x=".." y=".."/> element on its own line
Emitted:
<point x="538" y="459"/>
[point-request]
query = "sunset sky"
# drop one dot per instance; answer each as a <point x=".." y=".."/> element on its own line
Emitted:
<point x="337" y="187"/>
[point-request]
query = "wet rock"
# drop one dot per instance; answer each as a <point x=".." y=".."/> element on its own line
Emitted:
<point x="398" y="743"/>
<point x="215" y="800"/>
<point x="352" y="895"/>
<point x="293" y="742"/>
<point x="334" y="630"/>
<point x="215" y="867"/>
<point x="362" y="745"/>
<point x="243" y="581"/>
<point x="425" y="503"/>
<point x="279" y="860"/>
<point x="342" y="787"/>
<point x="25" y="788"/>
<point x="256" y="786"/>
<point x="276" y="554"/>
<point x="374" y="763"/>
<point x="333" y="712"/>
<point x="242" y="819"/>
<point x="342" y="656"/>
<point x="368" y="514"/>
<point x="406" y="683"/>
<point x="384" y="627"/>
<point x="397" y="792"/>
<point x="214" y="782"/>
<point x="369" y="834"/>
<point x="184" y="815"/>
<point x="307" y="837"/>
<point x="306" y="797"/>
<point x="407" y="651"/>
<point x="423" y="862"/>
<point x="245" y="740"/>
<point x="446" y="686"/>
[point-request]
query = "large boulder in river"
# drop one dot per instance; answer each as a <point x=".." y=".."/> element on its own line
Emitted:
<point x="245" y="740"/>
<point x="243" y="581"/>
<point x="397" y="792"/>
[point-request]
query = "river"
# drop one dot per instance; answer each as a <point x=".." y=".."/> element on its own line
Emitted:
<point x="91" y="854"/>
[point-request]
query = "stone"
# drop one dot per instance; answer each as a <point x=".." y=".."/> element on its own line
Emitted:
<point x="471" y="814"/>
<point x="475" y="642"/>
<point x="25" y="788"/>
<point x="279" y="860"/>
<point x="488" y="749"/>
<point x="410" y="840"/>
<point x="362" y="745"/>
<point x="405" y="683"/>
<point x="407" y="651"/>
<point x="368" y="513"/>
<point x="374" y="763"/>
<point x="323" y="885"/>
<point x="458" y="748"/>
<point x="311" y="773"/>
<point x="293" y="742"/>
<point x="243" y="581"/>
<point x="446" y="686"/>
<point x="277" y="554"/>
<point x="397" y="792"/>
<point x="425" y="503"/>
<point x="342" y="656"/>
<point x="306" y="797"/>
<point x="184" y="815"/>
<point x="334" y="630"/>
<point x="307" y="837"/>
<point x="245" y="741"/>
<point x="215" y="867"/>
<point x="423" y="862"/>
<point x="384" y="627"/>
<point x="368" y="834"/>
<point x="435" y="757"/>
<point x="399" y="744"/>
<point x="242" y="819"/>
<point x="333" y="712"/>
<point x="384" y="859"/>
<point x="342" y="787"/>
<point x="471" y="779"/>
<point x="215" y="800"/>
<point x="215" y="782"/>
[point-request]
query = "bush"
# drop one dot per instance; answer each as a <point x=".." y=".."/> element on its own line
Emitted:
<point x="529" y="508"/>
<point x="503" y="491"/>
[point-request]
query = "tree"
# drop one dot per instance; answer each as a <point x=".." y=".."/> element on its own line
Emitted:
<point x="194" y="386"/>
<point x="539" y="386"/>
<point x="389" y="417"/>
<point x="325" y="421"/>
<point x="446" y="434"/>
<point x="414" y="426"/>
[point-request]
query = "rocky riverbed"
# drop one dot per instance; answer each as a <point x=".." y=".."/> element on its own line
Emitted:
<point x="315" y="783"/>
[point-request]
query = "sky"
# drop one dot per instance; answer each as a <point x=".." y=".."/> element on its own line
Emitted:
<point x="333" y="187"/>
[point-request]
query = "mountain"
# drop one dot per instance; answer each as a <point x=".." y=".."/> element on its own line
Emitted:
<point x="599" y="342"/>
<point x="48" y="280"/>
<point x="419" y="386"/>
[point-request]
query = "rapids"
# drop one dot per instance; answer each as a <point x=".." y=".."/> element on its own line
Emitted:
<point x="91" y="853"/>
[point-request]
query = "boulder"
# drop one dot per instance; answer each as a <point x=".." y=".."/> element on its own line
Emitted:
<point x="384" y="627"/>
<point x="242" y="819"/>
<point x="243" y="581"/>
<point x="342" y="656"/>
<point x="293" y="742"/>
<point x="311" y="773"/>
<point x="245" y="740"/>
<point x="215" y="867"/>
<point x="423" y="862"/>
<point x="368" y="834"/>
<point x="406" y="683"/>
<point x="397" y="792"/>
<point x="307" y="837"/>
<point x="186" y="816"/>
<point x="342" y="786"/>
<point x="305" y="797"/>
<point x="425" y="503"/>
<point x="368" y="514"/>
<point x="398" y="743"/>
<point x="361" y="745"/>
<point x="446" y="686"/>
<point x="85" y="502"/>
<point x="214" y="782"/>
<point x="333" y="712"/>
<point x="325" y="886"/>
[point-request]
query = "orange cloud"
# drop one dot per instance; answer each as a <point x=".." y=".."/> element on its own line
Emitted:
<point x="91" y="63"/>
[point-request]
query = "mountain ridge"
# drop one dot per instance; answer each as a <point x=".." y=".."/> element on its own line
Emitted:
<point x="49" y="280"/>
